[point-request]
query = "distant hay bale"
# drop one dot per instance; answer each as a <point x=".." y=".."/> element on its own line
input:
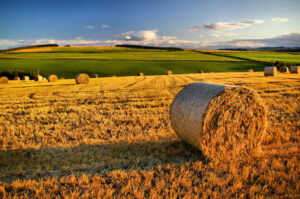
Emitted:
<point x="3" y="80"/>
<point x="222" y="121"/>
<point x="200" y="71"/>
<point x="140" y="74"/>
<point x="82" y="78"/>
<point x="270" y="71"/>
<point x="52" y="78"/>
<point x="25" y="78"/>
<point x="250" y="71"/>
<point x="284" y="69"/>
<point x="114" y="76"/>
<point x="94" y="75"/>
<point x="38" y="78"/>
<point x="16" y="78"/>
<point x="295" y="69"/>
<point x="61" y="78"/>
<point x="169" y="72"/>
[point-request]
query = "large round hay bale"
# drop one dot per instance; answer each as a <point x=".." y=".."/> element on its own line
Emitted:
<point x="52" y="78"/>
<point x="38" y="78"/>
<point x="82" y="78"/>
<point x="222" y="121"/>
<point x="94" y="75"/>
<point x="200" y="71"/>
<point x="295" y="69"/>
<point x="25" y="78"/>
<point x="16" y="78"/>
<point x="284" y="69"/>
<point x="140" y="74"/>
<point x="270" y="71"/>
<point x="169" y="72"/>
<point x="250" y="71"/>
<point x="3" y="80"/>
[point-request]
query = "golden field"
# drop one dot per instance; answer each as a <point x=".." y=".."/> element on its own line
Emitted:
<point x="113" y="138"/>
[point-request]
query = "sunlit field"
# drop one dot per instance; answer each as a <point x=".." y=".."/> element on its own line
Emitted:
<point x="108" y="61"/>
<point x="113" y="138"/>
<point x="292" y="58"/>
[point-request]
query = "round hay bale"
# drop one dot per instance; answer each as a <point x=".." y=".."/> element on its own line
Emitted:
<point x="61" y="78"/>
<point x="222" y="121"/>
<point x="16" y="78"/>
<point x="25" y="78"/>
<point x="52" y="78"/>
<point x="3" y="80"/>
<point x="140" y="74"/>
<point x="284" y="69"/>
<point x="250" y="71"/>
<point x="200" y="71"/>
<point x="94" y="75"/>
<point x="169" y="72"/>
<point x="295" y="69"/>
<point x="270" y="71"/>
<point x="38" y="78"/>
<point x="82" y="78"/>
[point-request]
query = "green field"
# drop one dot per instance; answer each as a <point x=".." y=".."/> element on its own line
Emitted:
<point x="70" y="68"/>
<point x="69" y="61"/>
<point x="121" y="55"/>
<point x="291" y="58"/>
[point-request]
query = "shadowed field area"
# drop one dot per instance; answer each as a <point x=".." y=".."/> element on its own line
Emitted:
<point x="113" y="138"/>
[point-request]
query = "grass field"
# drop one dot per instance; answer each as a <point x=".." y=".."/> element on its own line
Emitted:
<point x="113" y="138"/>
<point x="117" y="54"/>
<point x="70" y="68"/>
<point x="292" y="58"/>
<point x="109" y="61"/>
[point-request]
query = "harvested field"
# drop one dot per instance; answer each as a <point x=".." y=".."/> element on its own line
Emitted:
<point x="113" y="138"/>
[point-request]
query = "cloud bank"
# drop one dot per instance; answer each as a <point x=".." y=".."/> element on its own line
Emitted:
<point x="151" y="37"/>
<point x="225" y="25"/>
<point x="279" y="20"/>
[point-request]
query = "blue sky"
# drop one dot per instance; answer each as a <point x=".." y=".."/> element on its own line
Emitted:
<point x="185" y="23"/>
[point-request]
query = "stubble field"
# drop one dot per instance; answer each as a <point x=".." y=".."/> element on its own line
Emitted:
<point x="113" y="138"/>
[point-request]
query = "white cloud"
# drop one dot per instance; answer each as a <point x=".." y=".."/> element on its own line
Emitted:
<point x="230" y="34"/>
<point x="286" y="40"/>
<point x="105" y="26"/>
<point x="214" y="35"/>
<point x="144" y="35"/>
<point x="225" y="25"/>
<point x="8" y="42"/>
<point x="89" y="27"/>
<point x="279" y="20"/>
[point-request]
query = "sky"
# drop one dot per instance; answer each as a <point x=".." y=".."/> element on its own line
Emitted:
<point x="205" y="24"/>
